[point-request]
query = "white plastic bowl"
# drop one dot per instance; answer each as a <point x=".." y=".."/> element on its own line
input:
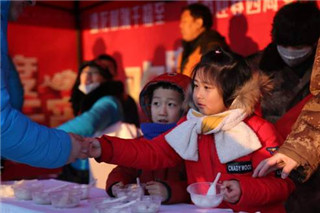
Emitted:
<point x="131" y="191"/>
<point x="41" y="197"/>
<point x="83" y="189"/>
<point x="148" y="204"/>
<point x="23" y="190"/>
<point x="198" y="192"/>
<point x="65" y="199"/>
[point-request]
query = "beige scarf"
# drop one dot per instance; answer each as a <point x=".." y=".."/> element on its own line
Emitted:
<point x="233" y="138"/>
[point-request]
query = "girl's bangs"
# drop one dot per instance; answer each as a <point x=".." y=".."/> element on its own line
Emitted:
<point x="205" y="74"/>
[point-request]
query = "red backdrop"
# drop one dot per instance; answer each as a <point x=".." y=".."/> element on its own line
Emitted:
<point x="143" y="36"/>
<point x="43" y="47"/>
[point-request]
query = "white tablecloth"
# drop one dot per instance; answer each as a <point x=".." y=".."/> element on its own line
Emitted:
<point x="12" y="205"/>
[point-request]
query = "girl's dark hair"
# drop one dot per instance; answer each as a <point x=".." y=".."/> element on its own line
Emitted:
<point x="226" y="70"/>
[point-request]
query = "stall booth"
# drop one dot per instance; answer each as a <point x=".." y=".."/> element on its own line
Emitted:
<point x="51" y="39"/>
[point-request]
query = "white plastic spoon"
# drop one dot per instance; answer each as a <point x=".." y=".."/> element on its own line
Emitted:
<point x="212" y="189"/>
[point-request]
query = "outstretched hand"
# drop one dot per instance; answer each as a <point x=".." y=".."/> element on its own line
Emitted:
<point x="83" y="147"/>
<point x="277" y="161"/>
<point x="94" y="150"/>
<point x="77" y="149"/>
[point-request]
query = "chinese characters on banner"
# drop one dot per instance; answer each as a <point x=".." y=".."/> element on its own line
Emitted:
<point x="28" y="70"/>
<point x="125" y="18"/>
<point x="56" y="110"/>
<point x="148" y="15"/>
<point x="151" y="14"/>
<point x="132" y="31"/>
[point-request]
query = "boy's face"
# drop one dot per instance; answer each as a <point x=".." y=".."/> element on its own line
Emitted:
<point x="166" y="106"/>
<point x="207" y="97"/>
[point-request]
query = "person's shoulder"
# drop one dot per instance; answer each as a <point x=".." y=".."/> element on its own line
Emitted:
<point x="212" y="38"/>
<point x="213" y="34"/>
<point x="265" y="130"/>
<point x="257" y="123"/>
<point x="108" y="99"/>
<point x="114" y="85"/>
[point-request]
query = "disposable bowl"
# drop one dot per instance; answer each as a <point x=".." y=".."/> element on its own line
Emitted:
<point x="65" y="198"/>
<point x="198" y="192"/>
<point x="23" y="190"/>
<point x="131" y="191"/>
<point x="41" y="197"/>
<point x="147" y="204"/>
<point x="83" y="189"/>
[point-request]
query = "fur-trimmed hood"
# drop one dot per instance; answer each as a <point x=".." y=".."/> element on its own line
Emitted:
<point x="250" y="94"/>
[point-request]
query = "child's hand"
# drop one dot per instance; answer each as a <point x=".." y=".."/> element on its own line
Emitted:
<point x="232" y="191"/>
<point x="116" y="187"/>
<point x="94" y="149"/>
<point x="157" y="188"/>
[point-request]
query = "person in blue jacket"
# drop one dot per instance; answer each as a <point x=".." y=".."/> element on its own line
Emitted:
<point x="15" y="90"/>
<point x="15" y="87"/>
<point x="96" y="105"/>
<point x="23" y="140"/>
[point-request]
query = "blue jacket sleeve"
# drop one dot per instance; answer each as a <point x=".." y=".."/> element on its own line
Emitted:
<point x="23" y="140"/>
<point x="27" y="142"/>
<point x="15" y="88"/>
<point x="105" y="112"/>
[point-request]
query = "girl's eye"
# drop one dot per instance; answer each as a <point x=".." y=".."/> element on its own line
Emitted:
<point x="207" y="87"/>
<point x="156" y="103"/>
<point x="172" y="104"/>
<point x="195" y="85"/>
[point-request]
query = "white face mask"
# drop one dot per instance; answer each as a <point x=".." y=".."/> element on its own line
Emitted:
<point x="86" y="89"/>
<point x="294" y="57"/>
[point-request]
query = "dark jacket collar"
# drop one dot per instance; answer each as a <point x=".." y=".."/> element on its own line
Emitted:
<point x="81" y="102"/>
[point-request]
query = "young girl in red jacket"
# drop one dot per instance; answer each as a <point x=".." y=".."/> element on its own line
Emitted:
<point x="221" y="133"/>
<point x="162" y="100"/>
